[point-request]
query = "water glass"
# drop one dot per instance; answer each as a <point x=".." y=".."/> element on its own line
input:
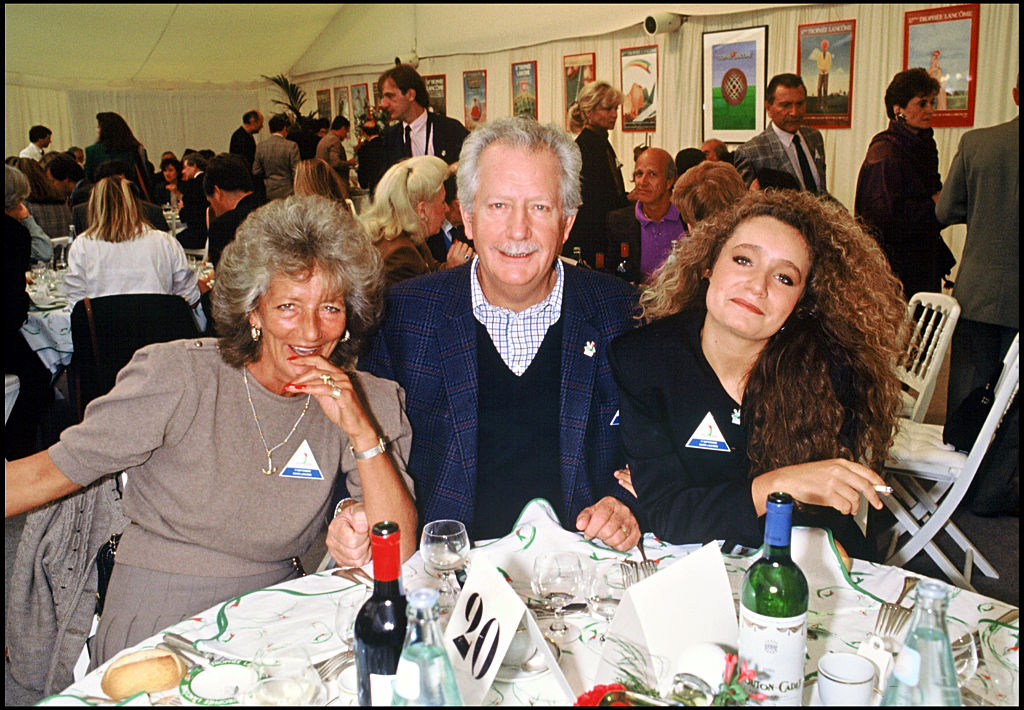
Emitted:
<point x="443" y="547"/>
<point x="295" y="680"/>
<point x="605" y="591"/>
<point x="557" y="578"/>
<point x="345" y="617"/>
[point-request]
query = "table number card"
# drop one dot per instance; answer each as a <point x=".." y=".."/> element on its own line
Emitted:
<point x="481" y="628"/>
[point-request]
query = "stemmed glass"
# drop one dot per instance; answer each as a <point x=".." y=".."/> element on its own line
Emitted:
<point x="557" y="577"/>
<point x="443" y="547"/>
<point x="605" y="592"/>
<point x="345" y="617"/>
<point x="286" y="676"/>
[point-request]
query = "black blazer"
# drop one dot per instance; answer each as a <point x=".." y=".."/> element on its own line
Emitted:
<point x="243" y="145"/>
<point x="446" y="133"/>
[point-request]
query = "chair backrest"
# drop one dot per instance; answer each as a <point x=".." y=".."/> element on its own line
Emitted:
<point x="934" y="316"/>
<point x="105" y="340"/>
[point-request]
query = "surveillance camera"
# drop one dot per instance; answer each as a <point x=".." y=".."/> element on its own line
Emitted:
<point x="662" y="23"/>
<point x="412" y="59"/>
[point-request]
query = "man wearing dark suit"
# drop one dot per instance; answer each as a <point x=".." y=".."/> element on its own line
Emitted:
<point x="243" y="144"/>
<point x="981" y="191"/>
<point x="649" y="228"/>
<point x="370" y="155"/>
<point x="504" y="360"/>
<point x="416" y="131"/>
<point x="193" y="201"/>
<point x="276" y="159"/>
<point x="452" y="231"/>
<point x="229" y="188"/>
<point x="786" y="144"/>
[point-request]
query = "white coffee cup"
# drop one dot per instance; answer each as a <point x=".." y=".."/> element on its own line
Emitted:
<point x="845" y="679"/>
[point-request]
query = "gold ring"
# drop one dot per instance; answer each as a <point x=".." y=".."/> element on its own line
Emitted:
<point x="335" y="392"/>
<point x="327" y="380"/>
<point x="468" y="257"/>
<point x="625" y="530"/>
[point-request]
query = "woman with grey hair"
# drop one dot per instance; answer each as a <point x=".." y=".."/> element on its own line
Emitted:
<point x="236" y="444"/>
<point x="603" y="188"/>
<point x="409" y="207"/>
<point x="16" y="191"/>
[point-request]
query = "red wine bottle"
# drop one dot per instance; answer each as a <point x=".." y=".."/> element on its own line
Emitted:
<point x="380" y="623"/>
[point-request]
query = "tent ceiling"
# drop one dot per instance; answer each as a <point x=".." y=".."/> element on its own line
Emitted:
<point x="159" y="44"/>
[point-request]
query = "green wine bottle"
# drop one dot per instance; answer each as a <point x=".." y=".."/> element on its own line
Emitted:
<point x="773" y="612"/>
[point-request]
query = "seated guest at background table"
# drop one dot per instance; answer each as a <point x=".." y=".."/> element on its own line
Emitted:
<point x="315" y="177"/>
<point x="45" y="202"/>
<point x="80" y="199"/>
<point x="766" y="178"/>
<point x="408" y="207"/>
<point x="899" y="185"/>
<point x="16" y="191"/>
<point x="121" y="252"/>
<point x="194" y="204"/>
<point x="166" y="191"/>
<point x="688" y="158"/>
<point x="77" y="153"/>
<point x="767" y="366"/>
<point x="451" y="230"/>
<point x="64" y="174"/>
<point x="117" y="142"/>
<point x="705" y="189"/>
<point x="221" y="505"/>
<point x="716" y="150"/>
<point x="503" y="359"/>
<point x="640" y="236"/>
<point x="229" y="188"/>
<point x="34" y="391"/>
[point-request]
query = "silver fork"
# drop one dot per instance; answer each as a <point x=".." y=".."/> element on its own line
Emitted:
<point x="328" y="668"/>
<point x="647" y="567"/>
<point x="630" y="572"/>
<point x="891" y="616"/>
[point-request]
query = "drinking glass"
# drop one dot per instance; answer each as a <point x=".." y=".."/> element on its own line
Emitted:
<point x="965" y="652"/>
<point x="557" y="578"/>
<point x="294" y="680"/>
<point x="345" y="617"/>
<point x="605" y="592"/>
<point x="443" y="547"/>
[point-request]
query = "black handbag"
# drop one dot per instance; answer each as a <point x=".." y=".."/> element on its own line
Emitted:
<point x="963" y="427"/>
<point x="104" y="568"/>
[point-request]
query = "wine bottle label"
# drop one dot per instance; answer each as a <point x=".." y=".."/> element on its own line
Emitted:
<point x="381" y="688"/>
<point x="774" y="647"/>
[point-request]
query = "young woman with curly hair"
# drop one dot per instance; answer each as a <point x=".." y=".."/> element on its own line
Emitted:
<point x="766" y="365"/>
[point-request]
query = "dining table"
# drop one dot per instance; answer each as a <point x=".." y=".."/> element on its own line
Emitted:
<point x="842" y="612"/>
<point x="47" y="328"/>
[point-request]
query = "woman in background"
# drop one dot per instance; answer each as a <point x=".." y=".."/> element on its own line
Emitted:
<point x="408" y="207"/>
<point x="315" y="177"/>
<point x="117" y="142"/>
<point x="166" y="191"/>
<point x="766" y="366"/>
<point x="601" y="184"/>
<point x="899" y="185"/>
<point x="121" y="252"/>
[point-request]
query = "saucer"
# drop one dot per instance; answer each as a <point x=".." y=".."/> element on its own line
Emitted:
<point x="218" y="684"/>
<point x="512" y="674"/>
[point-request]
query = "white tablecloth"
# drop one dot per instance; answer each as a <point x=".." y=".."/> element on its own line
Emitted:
<point x="843" y="608"/>
<point x="48" y="333"/>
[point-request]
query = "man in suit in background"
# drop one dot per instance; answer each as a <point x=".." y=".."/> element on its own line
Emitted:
<point x="981" y="191"/>
<point x="452" y="230"/>
<point x="416" y="131"/>
<point x="331" y="149"/>
<point x="503" y="360"/>
<point x="786" y="144"/>
<point x="276" y="159"/>
<point x="193" y="201"/>
<point x="370" y="155"/>
<point x="229" y="188"/>
<point x="243" y="144"/>
<point x="651" y="226"/>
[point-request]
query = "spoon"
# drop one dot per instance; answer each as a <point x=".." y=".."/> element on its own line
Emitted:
<point x="533" y="664"/>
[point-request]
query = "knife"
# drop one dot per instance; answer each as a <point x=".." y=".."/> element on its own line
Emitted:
<point x="574" y="608"/>
<point x="180" y="644"/>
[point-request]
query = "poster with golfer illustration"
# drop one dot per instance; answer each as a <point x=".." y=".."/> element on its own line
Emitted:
<point x="825" y="63"/>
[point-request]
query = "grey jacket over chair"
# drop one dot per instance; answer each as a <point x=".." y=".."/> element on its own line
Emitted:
<point x="52" y="598"/>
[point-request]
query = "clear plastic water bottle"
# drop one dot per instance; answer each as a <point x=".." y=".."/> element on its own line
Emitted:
<point x="924" y="673"/>
<point x="424" y="675"/>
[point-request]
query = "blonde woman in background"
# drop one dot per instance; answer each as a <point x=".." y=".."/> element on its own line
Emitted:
<point x="408" y="207"/>
<point x="316" y="177"/>
<point x="602" y="187"/>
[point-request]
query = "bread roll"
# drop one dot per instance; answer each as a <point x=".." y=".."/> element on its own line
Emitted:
<point x="146" y="671"/>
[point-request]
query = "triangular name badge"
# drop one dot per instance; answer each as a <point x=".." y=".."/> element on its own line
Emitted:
<point x="707" y="436"/>
<point x="303" y="464"/>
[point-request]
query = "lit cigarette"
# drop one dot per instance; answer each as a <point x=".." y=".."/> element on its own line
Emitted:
<point x="884" y="489"/>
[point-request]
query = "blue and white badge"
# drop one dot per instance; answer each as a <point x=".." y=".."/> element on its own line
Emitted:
<point x="615" y="419"/>
<point x="303" y="464"/>
<point x="707" y="436"/>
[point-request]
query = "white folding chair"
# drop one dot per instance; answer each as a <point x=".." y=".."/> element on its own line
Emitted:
<point x="930" y="479"/>
<point x="935" y="316"/>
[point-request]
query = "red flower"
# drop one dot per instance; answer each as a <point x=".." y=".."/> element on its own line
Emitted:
<point x="730" y="666"/>
<point x="593" y="696"/>
<point x="746" y="674"/>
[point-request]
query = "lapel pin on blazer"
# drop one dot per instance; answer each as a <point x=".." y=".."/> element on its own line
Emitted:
<point x="589" y="349"/>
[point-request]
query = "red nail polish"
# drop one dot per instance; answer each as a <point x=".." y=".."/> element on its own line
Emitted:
<point x="292" y="357"/>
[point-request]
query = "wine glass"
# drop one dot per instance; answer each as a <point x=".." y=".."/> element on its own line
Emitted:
<point x="345" y="617"/>
<point x="605" y="592"/>
<point x="557" y="577"/>
<point x="965" y="652"/>
<point x="443" y="547"/>
<point x="286" y="676"/>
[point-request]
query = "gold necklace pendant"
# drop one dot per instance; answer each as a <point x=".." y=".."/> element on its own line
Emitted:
<point x="271" y="469"/>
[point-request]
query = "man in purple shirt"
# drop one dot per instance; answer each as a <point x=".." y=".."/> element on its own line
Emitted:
<point x="641" y="235"/>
